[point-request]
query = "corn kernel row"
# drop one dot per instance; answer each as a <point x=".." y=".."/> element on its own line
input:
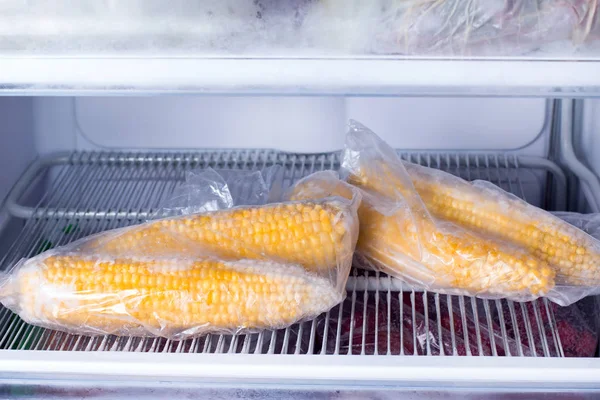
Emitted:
<point x="484" y="208"/>
<point x="317" y="235"/>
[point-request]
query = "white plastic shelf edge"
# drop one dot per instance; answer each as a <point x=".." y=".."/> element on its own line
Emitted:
<point x="461" y="371"/>
<point x="368" y="76"/>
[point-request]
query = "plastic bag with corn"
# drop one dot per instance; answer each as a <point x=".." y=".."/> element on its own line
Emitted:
<point x="442" y="233"/>
<point x="486" y="209"/>
<point x="230" y="270"/>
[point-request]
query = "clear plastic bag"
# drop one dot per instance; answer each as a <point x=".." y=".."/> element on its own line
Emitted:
<point x="231" y="270"/>
<point x="488" y="210"/>
<point x="450" y="27"/>
<point x="210" y="190"/>
<point x="400" y="237"/>
<point x="440" y="233"/>
<point x="589" y="223"/>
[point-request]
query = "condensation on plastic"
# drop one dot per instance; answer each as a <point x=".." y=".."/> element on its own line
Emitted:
<point x="232" y="270"/>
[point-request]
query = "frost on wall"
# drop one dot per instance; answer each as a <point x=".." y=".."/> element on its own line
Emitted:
<point x="299" y="27"/>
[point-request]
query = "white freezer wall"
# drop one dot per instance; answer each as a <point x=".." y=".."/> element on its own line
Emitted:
<point x="42" y="125"/>
<point x="298" y="124"/>
<point x="34" y="126"/>
<point x="17" y="148"/>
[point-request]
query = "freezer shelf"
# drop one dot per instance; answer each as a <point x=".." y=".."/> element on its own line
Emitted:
<point x="84" y="193"/>
<point x="297" y="47"/>
<point x="310" y="75"/>
<point x="366" y="323"/>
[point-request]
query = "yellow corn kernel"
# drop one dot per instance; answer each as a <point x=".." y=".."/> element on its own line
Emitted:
<point x="408" y="243"/>
<point x="485" y="208"/>
<point x="453" y="258"/>
<point x="173" y="298"/>
<point x="318" y="235"/>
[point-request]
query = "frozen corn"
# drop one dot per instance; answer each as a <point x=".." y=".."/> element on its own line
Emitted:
<point x="452" y="258"/>
<point x="174" y="298"/>
<point x="319" y="235"/>
<point x="402" y="240"/>
<point x="488" y="209"/>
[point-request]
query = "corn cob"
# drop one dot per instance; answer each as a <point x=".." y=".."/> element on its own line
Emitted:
<point x="317" y="235"/>
<point x="170" y="297"/>
<point x="453" y="257"/>
<point x="485" y="208"/>
<point x="408" y="243"/>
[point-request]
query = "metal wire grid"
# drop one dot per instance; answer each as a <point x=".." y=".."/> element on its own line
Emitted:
<point x="99" y="191"/>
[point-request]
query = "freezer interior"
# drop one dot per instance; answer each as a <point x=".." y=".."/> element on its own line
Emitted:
<point x="303" y="28"/>
<point x="74" y="166"/>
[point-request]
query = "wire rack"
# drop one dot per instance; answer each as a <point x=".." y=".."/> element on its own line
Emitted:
<point x="86" y="193"/>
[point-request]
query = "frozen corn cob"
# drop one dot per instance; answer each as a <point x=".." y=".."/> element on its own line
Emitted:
<point x="319" y="235"/>
<point x="486" y="208"/>
<point x="448" y="257"/>
<point x="175" y="298"/>
<point x="405" y="241"/>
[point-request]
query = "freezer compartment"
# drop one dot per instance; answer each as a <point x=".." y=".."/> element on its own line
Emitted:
<point x="299" y="47"/>
<point x="291" y="28"/>
<point x="65" y="197"/>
